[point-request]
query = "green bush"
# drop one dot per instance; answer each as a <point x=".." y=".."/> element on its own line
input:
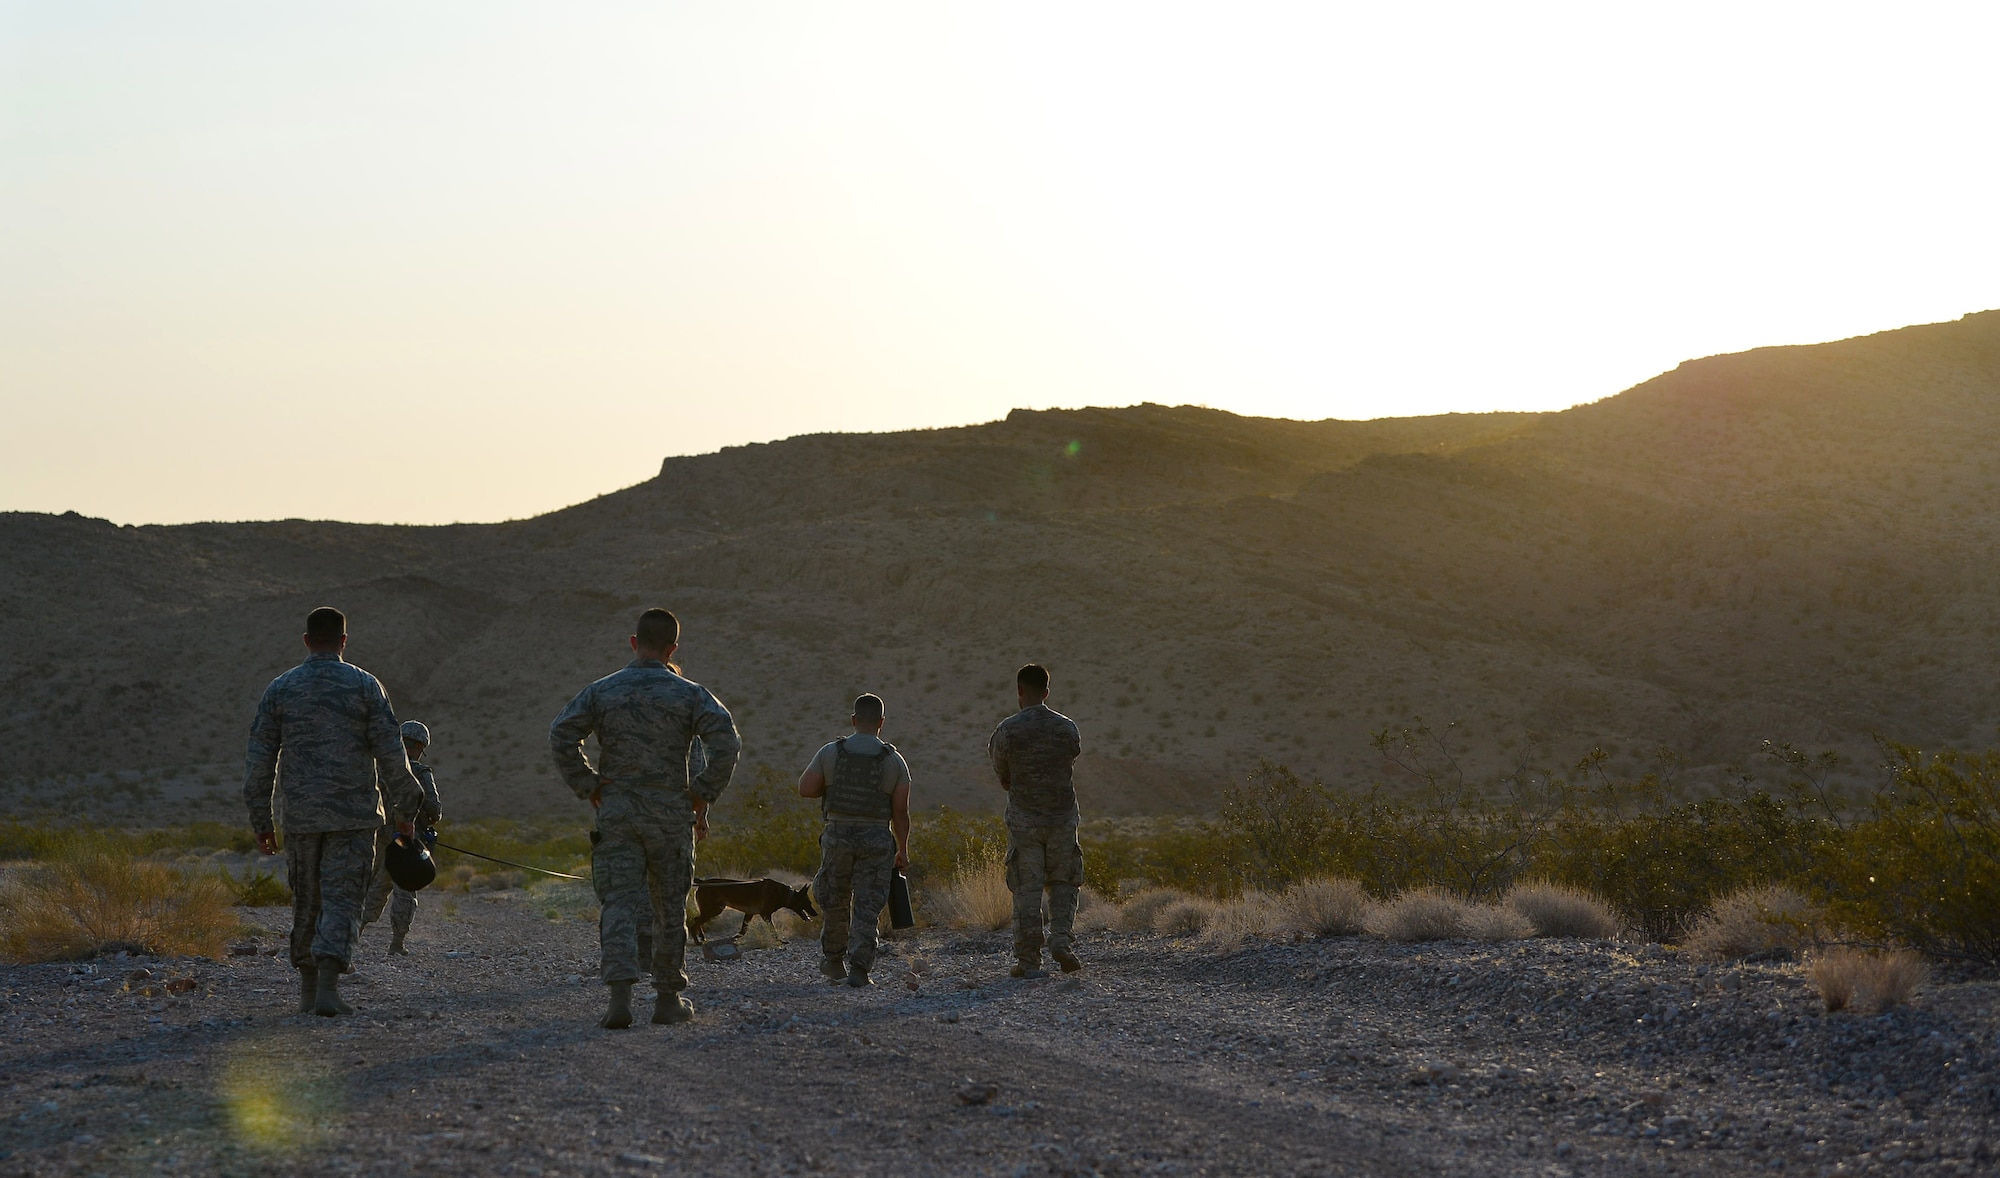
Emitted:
<point x="257" y="889"/>
<point x="1923" y="868"/>
<point x="761" y="824"/>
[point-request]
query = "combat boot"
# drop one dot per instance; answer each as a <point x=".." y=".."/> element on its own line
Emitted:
<point x="1066" y="959"/>
<point x="619" y="1015"/>
<point x="308" y="988"/>
<point x="326" y="999"/>
<point x="396" y="944"/>
<point x="832" y="968"/>
<point x="669" y="1007"/>
<point x="1028" y="967"/>
<point x="857" y="977"/>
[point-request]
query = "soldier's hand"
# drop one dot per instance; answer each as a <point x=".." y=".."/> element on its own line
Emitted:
<point x="597" y="797"/>
<point x="902" y="857"/>
<point x="267" y="842"/>
<point x="700" y="825"/>
<point x="406" y="829"/>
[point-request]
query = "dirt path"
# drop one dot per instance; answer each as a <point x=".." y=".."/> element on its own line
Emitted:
<point x="479" y="1055"/>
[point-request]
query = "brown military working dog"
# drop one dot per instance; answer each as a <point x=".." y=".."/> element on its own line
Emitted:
<point x="752" y="897"/>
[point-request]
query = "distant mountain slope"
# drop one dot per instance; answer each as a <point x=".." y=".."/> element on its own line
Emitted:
<point x="1792" y="543"/>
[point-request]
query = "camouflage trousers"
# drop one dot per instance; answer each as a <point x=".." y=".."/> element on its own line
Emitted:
<point x="328" y="873"/>
<point x="381" y="887"/>
<point x="1043" y="858"/>
<point x="642" y="862"/>
<point x="856" y="862"/>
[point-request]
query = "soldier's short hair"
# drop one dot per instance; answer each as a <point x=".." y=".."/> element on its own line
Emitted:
<point x="868" y="708"/>
<point x="326" y="624"/>
<point x="1032" y="678"/>
<point x="658" y="629"/>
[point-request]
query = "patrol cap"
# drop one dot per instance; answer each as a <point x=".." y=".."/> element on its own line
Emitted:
<point x="413" y="730"/>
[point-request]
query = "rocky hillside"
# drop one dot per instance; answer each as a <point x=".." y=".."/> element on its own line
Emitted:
<point x="1791" y="543"/>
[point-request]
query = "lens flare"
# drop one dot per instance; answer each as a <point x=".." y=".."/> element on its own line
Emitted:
<point x="281" y="1097"/>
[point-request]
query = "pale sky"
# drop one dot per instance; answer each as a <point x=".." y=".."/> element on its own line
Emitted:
<point x="473" y="261"/>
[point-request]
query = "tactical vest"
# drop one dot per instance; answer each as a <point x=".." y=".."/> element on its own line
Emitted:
<point x="856" y="788"/>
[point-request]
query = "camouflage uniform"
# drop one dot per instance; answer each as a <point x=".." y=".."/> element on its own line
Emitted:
<point x="1034" y="750"/>
<point x="857" y="851"/>
<point x="645" y="717"/>
<point x="380" y="886"/>
<point x="342" y="752"/>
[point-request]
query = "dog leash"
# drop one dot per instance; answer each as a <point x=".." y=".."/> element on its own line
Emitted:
<point x="509" y="862"/>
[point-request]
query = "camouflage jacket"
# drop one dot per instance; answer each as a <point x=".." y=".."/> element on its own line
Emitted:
<point x="326" y="738"/>
<point x="1033" y="751"/>
<point x="646" y="718"/>
<point x="432" y="810"/>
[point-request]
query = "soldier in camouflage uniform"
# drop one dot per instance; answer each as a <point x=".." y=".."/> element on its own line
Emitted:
<point x="649" y="811"/>
<point x="416" y="739"/>
<point x="1033" y="751"/>
<point x="863" y="785"/>
<point x="326" y="739"/>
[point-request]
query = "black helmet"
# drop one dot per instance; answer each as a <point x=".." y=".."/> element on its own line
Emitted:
<point x="410" y="864"/>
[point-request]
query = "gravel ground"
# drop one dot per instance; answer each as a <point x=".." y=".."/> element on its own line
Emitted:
<point x="479" y="1054"/>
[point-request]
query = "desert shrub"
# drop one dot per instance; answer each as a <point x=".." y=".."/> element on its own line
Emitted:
<point x="1424" y="914"/>
<point x="761" y="824"/>
<point x="1094" y="913"/>
<point x="1182" y="916"/>
<point x="84" y="898"/>
<point x="1326" y="907"/>
<point x="1496" y="922"/>
<point x="1136" y="914"/>
<point x="1923" y="868"/>
<point x="976" y="898"/>
<point x="257" y="889"/>
<point x="944" y="843"/>
<point x="1227" y="924"/>
<point x="1556" y="910"/>
<point x="1850" y="979"/>
<point x="1753" y="921"/>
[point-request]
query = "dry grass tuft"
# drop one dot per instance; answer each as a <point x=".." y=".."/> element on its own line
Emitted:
<point x="976" y="898"/>
<point x="1750" y="921"/>
<point x="1555" y="910"/>
<point x="1229" y="923"/>
<point x="1849" y="979"/>
<point x="1094" y="913"/>
<point x="1425" y="914"/>
<point x="1325" y="908"/>
<point x="1182" y="916"/>
<point x="1136" y="914"/>
<point x="87" y="899"/>
<point x="1496" y="922"/>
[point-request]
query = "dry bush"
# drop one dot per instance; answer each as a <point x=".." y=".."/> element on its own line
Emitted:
<point x="1750" y="921"/>
<point x="1496" y="922"/>
<point x="976" y="898"/>
<point x="1187" y="914"/>
<point x="1424" y="914"/>
<point x="1137" y="913"/>
<point x="1556" y="910"/>
<point x="1328" y="907"/>
<point x="1229" y="923"/>
<point x="87" y="899"/>
<point x="1094" y="913"/>
<point x="1866" y="982"/>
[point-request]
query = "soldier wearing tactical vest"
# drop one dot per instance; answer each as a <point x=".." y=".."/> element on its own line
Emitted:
<point x="863" y="785"/>
<point x="1034" y="751"/>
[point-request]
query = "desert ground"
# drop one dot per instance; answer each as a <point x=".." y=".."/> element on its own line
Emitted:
<point x="479" y="1054"/>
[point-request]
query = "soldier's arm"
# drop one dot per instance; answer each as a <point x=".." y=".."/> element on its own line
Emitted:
<point x="433" y="810"/>
<point x="996" y="748"/>
<point x="899" y="821"/>
<point x="392" y="763"/>
<point x="717" y="732"/>
<point x="260" y="765"/>
<point x="566" y="735"/>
